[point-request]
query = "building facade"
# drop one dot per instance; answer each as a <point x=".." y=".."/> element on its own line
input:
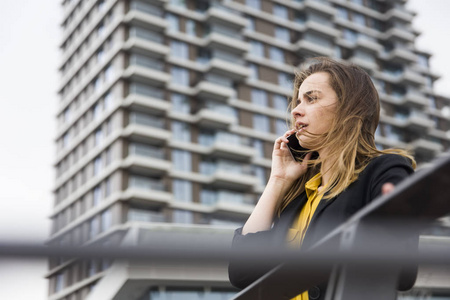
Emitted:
<point x="169" y="109"/>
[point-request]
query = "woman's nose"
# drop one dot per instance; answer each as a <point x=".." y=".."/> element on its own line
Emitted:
<point x="297" y="111"/>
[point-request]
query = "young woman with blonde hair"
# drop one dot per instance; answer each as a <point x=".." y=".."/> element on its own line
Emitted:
<point x="335" y="111"/>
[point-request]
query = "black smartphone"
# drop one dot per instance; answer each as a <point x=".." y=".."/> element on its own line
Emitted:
<point x="294" y="145"/>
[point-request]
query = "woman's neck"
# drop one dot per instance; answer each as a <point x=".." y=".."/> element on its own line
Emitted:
<point x="327" y="162"/>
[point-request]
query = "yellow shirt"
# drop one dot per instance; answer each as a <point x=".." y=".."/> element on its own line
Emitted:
<point x="297" y="232"/>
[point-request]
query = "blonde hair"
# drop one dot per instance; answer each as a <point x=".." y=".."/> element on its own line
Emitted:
<point x="350" y="141"/>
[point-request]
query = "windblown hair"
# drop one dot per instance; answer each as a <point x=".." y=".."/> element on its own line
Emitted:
<point x="350" y="141"/>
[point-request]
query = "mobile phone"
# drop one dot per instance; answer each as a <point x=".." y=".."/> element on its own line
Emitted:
<point x="297" y="151"/>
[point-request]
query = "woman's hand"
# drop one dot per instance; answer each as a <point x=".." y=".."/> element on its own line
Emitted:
<point x="283" y="164"/>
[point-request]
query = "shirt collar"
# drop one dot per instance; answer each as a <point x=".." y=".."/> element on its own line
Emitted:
<point x="313" y="184"/>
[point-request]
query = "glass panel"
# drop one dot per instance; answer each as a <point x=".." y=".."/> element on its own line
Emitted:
<point x="182" y="160"/>
<point x="261" y="122"/>
<point x="259" y="97"/>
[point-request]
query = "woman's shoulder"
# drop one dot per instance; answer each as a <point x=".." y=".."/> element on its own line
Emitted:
<point x="390" y="159"/>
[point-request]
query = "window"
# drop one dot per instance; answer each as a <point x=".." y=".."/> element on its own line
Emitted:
<point x="146" y="90"/>
<point x="145" y="183"/>
<point x="191" y="28"/>
<point x="259" y="146"/>
<point x="179" y="49"/>
<point x="106" y="217"/>
<point x="422" y="60"/>
<point x="181" y="3"/>
<point x="181" y="131"/>
<point x="260" y="173"/>
<point x="256" y="4"/>
<point x="174" y="22"/>
<point x="100" y="30"/>
<point x="97" y="165"/>
<point x="285" y="80"/>
<point x="107" y="101"/>
<point x="98" y="137"/>
<point x="145" y="119"/>
<point x="180" y="76"/>
<point x="276" y="54"/>
<point x="107" y="187"/>
<point x="256" y="48"/>
<point x="350" y="35"/>
<point x="182" y="190"/>
<point x="65" y="140"/>
<point x="208" y="197"/>
<point x="282" y="33"/>
<point x="254" y="71"/>
<point x="261" y="122"/>
<point x="97" y="195"/>
<point x="280" y="102"/>
<point x="59" y="282"/>
<point x="183" y="217"/>
<point x="342" y="13"/>
<point x="97" y="84"/>
<point x="359" y="19"/>
<point x="280" y="127"/>
<point x="182" y="160"/>
<point x="94" y="227"/>
<point x="251" y="23"/>
<point x="180" y="103"/>
<point x="109" y="73"/>
<point x="100" y="55"/>
<point x="207" y="167"/>
<point x="203" y="55"/>
<point x="259" y="97"/>
<point x="145" y="61"/>
<point x="280" y="11"/>
<point x="146" y="34"/>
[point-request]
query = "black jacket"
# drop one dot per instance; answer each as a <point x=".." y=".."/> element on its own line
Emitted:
<point x="329" y="214"/>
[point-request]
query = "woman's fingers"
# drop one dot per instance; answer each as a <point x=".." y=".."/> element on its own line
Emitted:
<point x="282" y="139"/>
<point x="387" y="188"/>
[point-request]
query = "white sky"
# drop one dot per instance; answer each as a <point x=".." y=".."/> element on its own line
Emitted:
<point x="29" y="56"/>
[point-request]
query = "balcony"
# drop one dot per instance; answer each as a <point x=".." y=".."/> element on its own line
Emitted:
<point x="399" y="34"/>
<point x="425" y="147"/>
<point x="147" y="197"/>
<point x="146" y="47"/>
<point x="226" y="209"/>
<point x="213" y="119"/>
<point x="308" y="48"/>
<point x="213" y="91"/>
<point x="321" y="29"/>
<point x="320" y="7"/>
<point x="415" y="99"/>
<point x="230" y="180"/>
<point x="399" y="14"/>
<point x="220" y="41"/>
<point x="148" y="21"/>
<point x="228" y="69"/>
<point x="146" y="165"/>
<point x="146" y="134"/>
<point x="146" y="75"/>
<point x="146" y="104"/>
<point x="364" y="63"/>
<point x="368" y="45"/>
<point x="412" y="77"/>
<point x="231" y="151"/>
<point x="418" y="122"/>
<point x="402" y="56"/>
<point x="219" y="16"/>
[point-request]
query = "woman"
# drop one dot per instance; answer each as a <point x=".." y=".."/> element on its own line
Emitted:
<point x="335" y="111"/>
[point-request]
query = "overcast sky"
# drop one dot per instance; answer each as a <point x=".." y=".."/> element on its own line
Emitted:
<point x="29" y="56"/>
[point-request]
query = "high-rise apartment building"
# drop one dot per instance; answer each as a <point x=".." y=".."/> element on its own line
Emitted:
<point x="169" y="109"/>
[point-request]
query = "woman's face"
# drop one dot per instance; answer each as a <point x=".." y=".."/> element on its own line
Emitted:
<point x="316" y="108"/>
